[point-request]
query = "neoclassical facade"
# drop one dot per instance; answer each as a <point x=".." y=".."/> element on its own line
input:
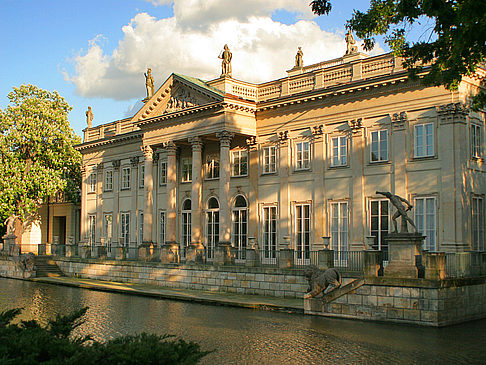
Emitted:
<point x="289" y="161"/>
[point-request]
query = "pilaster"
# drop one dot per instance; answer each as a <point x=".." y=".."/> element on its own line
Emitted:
<point x="99" y="203"/>
<point x="318" y="190"/>
<point x="134" y="197"/>
<point x="253" y="174"/>
<point x="148" y="195"/>
<point x="357" y="218"/>
<point x="84" y="206"/>
<point x="115" y="231"/>
<point x="284" y="229"/>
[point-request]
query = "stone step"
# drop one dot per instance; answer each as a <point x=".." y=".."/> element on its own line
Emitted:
<point x="46" y="267"/>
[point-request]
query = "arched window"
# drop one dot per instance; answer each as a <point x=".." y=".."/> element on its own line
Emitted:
<point x="240" y="226"/>
<point x="212" y="226"/>
<point x="186" y="224"/>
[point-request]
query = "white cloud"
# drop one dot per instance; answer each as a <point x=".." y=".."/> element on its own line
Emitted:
<point x="262" y="49"/>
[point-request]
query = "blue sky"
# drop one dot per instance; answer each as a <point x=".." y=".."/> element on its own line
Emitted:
<point x="86" y="49"/>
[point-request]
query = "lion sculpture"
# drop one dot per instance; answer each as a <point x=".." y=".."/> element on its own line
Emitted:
<point x="320" y="280"/>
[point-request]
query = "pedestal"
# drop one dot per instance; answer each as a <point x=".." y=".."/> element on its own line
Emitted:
<point x="403" y="247"/>
<point x="252" y="257"/>
<point x="10" y="246"/>
<point x="120" y="253"/>
<point x="70" y="251"/>
<point x="85" y="252"/>
<point x="435" y="265"/>
<point x="286" y="258"/>
<point x="145" y="252"/>
<point x="222" y="254"/>
<point x="325" y="259"/>
<point x="373" y="260"/>
<point x="169" y="253"/>
<point x="195" y="253"/>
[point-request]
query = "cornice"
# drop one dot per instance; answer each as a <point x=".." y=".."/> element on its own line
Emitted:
<point x="119" y="138"/>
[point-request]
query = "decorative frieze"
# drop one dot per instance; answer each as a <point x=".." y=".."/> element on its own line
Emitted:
<point x="399" y="120"/>
<point x="317" y="130"/>
<point x="452" y="113"/>
<point x="283" y="136"/>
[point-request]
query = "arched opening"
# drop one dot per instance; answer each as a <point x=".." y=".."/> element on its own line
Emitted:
<point x="240" y="226"/>
<point x="186" y="225"/>
<point x="212" y="226"/>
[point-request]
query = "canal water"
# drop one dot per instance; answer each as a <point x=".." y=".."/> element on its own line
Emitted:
<point x="244" y="336"/>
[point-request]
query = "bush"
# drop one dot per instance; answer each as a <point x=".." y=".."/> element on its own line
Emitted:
<point x="27" y="342"/>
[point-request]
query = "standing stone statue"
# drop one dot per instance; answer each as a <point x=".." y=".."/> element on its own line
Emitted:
<point x="10" y="223"/>
<point x="226" y="56"/>
<point x="351" y="43"/>
<point x="299" y="60"/>
<point x="149" y="83"/>
<point x="89" y="117"/>
<point x="401" y="211"/>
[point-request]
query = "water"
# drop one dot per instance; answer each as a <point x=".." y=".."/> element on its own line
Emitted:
<point x="243" y="336"/>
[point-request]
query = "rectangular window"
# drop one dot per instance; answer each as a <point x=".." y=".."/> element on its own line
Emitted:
<point x="186" y="170"/>
<point x="163" y="173"/>
<point x="186" y="228"/>
<point x="269" y="158"/>
<point x="478" y="224"/>
<point x="379" y="145"/>
<point x="302" y="155"/>
<point x="141" y="176"/>
<point x="162" y="225"/>
<point x="91" y="229"/>
<point x="339" y="232"/>
<point x="379" y="223"/>
<point x="476" y="141"/>
<point x="302" y="233"/>
<point x="107" y="227"/>
<point x="108" y="180"/>
<point x="425" y="221"/>
<point x="239" y="163"/>
<point x="424" y="140"/>
<point x="92" y="182"/>
<point x="212" y="167"/>
<point x="125" y="179"/>
<point x="125" y="228"/>
<point x="339" y="151"/>
<point x="140" y="227"/>
<point x="269" y="231"/>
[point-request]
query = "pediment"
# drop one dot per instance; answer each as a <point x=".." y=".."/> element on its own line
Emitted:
<point x="178" y="93"/>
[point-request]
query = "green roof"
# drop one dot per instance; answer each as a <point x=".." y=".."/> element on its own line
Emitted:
<point x="200" y="83"/>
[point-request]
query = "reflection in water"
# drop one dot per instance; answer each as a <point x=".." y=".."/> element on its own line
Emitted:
<point x="243" y="336"/>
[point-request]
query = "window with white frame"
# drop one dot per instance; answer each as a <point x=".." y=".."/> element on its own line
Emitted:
<point x="186" y="223"/>
<point x="478" y="223"/>
<point x="162" y="226"/>
<point x="424" y="140"/>
<point x="125" y="228"/>
<point x="269" y="232"/>
<point x="186" y="169"/>
<point x="92" y="182"/>
<point x="163" y="173"/>
<point x="125" y="178"/>
<point x="379" y="224"/>
<point x="107" y="226"/>
<point x="141" y="176"/>
<point x="108" y="180"/>
<point x="302" y="155"/>
<point x="302" y="231"/>
<point x="140" y="227"/>
<point x="339" y="151"/>
<point x="212" y="226"/>
<point x="379" y="145"/>
<point x="212" y="167"/>
<point x="91" y="229"/>
<point x="269" y="159"/>
<point x="339" y="231"/>
<point x="476" y="141"/>
<point x="239" y="163"/>
<point x="240" y="226"/>
<point x="426" y="220"/>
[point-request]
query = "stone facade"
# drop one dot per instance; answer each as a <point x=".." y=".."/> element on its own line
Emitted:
<point x="289" y="161"/>
<point x="424" y="302"/>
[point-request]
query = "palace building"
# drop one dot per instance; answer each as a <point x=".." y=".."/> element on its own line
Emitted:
<point x="289" y="161"/>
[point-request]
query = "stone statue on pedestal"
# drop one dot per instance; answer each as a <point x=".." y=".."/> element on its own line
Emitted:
<point x="401" y="211"/>
<point x="10" y="223"/>
<point x="299" y="60"/>
<point x="226" y="56"/>
<point x="351" y="43"/>
<point x="149" y="83"/>
<point x="89" y="117"/>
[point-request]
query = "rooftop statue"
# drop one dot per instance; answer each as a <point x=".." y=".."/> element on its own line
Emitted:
<point x="401" y="211"/>
<point x="226" y="56"/>
<point x="89" y="117"/>
<point x="149" y="83"/>
<point x="351" y="43"/>
<point x="299" y="60"/>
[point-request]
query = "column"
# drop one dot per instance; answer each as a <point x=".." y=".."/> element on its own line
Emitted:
<point x="225" y="138"/>
<point x="99" y="203"/>
<point x="115" y="224"/>
<point x="148" y="183"/>
<point x="171" y="149"/>
<point x="134" y="197"/>
<point x="84" y="206"/>
<point x="196" y="192"/>
<point x="155" y="180"/>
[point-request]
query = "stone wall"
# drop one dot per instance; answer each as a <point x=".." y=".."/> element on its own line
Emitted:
<point x="417" y="301"/>
<point x="10" y="268"/>
<point x="242" y="280"/>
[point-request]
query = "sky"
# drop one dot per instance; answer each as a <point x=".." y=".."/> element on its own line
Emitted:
<point x="94" y="52"/>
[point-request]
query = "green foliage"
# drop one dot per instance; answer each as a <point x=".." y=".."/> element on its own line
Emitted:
<point x="27" y="342"/>
<point x="454" y="46"/>
<point x="37" y="158"/>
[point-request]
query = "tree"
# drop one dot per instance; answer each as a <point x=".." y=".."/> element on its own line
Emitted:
<point x="37" y="157"/>
<point x="456" y="42"/>
<point x="27" y="342"/>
